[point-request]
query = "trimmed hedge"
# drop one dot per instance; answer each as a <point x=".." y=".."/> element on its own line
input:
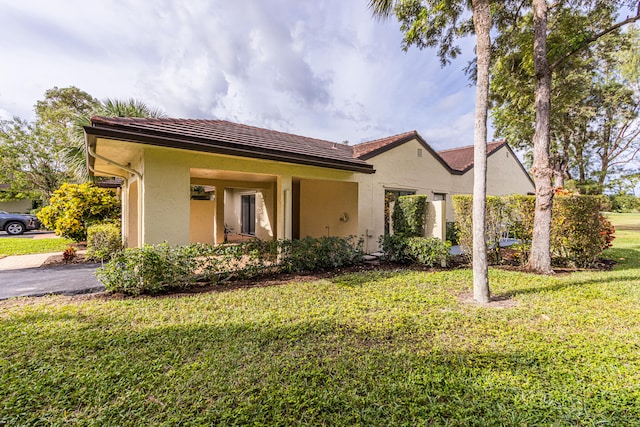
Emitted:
<point x="427" y="251"/>
<point x="579" y="232"/>
<point x="410" y="215"/>
<point x="103" y="240"/>
<point x="154" y="269"/>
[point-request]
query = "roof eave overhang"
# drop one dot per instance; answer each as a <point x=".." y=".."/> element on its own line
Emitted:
<point x="217" y="147"/>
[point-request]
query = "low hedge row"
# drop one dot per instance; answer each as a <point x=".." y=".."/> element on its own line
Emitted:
<point x="427" y="251"/>
<point x="157" y="268"/>
<point x="579" y="232"/>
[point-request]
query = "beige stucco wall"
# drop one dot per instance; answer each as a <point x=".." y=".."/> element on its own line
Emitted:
<point x="202" y="214"/>
<point x="16" y="206"/>
<point x="166" y="199"/>
<point x="397" y="169"/>
<point x="504" y="176"/>
<point x="328" y="208"/>
<point x="131" y="220"/>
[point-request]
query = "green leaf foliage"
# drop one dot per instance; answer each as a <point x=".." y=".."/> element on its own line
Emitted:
<point x="625" y="203"/>
<point x="425" y="251"/>
<point x="579" y="231"/>
<point x="159" y="268"/>
<point x="103" y="240"/>
<point x="74" y="207"/>
<point x="410" y="215"/>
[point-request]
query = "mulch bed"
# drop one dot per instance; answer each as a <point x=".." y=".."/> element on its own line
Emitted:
<point x="56" y="260"/>
<point x="456" y="262"/>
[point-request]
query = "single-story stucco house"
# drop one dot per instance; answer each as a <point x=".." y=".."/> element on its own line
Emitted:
<point x="195" y="180"/>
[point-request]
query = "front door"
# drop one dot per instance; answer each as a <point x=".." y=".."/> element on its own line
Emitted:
<point x="249" y="214"/>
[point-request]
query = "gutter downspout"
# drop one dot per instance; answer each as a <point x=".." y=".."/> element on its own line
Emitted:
<point x="92" y="153"/>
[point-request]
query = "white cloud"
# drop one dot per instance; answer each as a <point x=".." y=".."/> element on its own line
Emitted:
<point x="4" y="114"/>
<point x="322" y="69"/>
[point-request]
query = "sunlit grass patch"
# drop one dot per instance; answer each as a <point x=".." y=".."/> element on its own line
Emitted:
<point x="23" y="246"/>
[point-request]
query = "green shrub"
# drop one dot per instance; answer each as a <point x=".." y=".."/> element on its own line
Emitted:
<point x="625" y="203"/>
<point x="154" y="269"/>
<point x="150" y="269"/>
<point x="427" y="251"/>
<point x="452" y="233"/>
<point x="463" y="208"/>
<point x="103" y="240"/>
<point x="409" y="215"/>
<point x="74" y="207"/>
<point x="310" y="254"/>
<point x="579" y="233"/>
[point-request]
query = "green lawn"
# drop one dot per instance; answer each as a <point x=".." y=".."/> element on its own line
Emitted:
<point x="370" y="349"/>
<point x="625" y="221"/>
<point x="23" y="246"/>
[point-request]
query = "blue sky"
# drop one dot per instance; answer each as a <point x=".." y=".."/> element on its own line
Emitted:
<point x="320" y="69"/>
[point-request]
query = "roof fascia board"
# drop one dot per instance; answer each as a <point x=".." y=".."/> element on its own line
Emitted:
<point x="194" y="145"/>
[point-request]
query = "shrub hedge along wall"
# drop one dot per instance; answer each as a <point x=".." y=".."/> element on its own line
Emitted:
<point x="579" y="232"/>
<point x="153" y="269"/>
<point x="410" y="215"/>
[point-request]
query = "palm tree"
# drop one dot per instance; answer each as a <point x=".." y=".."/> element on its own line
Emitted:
<point x="74" y="156"/>
<point x="482" y="25"/>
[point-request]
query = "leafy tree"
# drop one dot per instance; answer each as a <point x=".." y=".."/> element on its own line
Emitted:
<point x="593" y="106"/>
<point x="29" y="162"/>
<point x="74" y="155"/>
<point x="59" y="110"/>
<point x="74" y="207"/>
<point x="438" y="23"/>
<point x="552" y="46"/>
<point x="32" y="159"/>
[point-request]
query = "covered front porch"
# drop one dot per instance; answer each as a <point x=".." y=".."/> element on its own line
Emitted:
<point x="244" y="205"/>
<point x="182" y="204"/>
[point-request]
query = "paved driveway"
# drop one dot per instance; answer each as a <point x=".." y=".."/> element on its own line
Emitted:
<point x="65" y="280"/>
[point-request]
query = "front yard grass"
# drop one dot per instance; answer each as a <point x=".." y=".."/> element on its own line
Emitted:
<point x="375" y="348"/>
<point x="24" y="246"/>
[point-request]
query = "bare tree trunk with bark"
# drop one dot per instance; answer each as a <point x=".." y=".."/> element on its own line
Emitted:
<point x="482" y="24"/>
<point x="540" y="258"/>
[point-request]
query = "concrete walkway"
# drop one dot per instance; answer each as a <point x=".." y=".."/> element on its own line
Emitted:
<point x="15" y="262"/>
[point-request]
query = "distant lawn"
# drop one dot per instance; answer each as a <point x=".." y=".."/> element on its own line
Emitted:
<point x="371" y="349"/>
<point x="23" y="246"/>
<point x="625" y="221"/>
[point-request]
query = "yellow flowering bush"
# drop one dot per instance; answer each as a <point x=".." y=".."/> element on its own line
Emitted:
<point x="74" y="207"/>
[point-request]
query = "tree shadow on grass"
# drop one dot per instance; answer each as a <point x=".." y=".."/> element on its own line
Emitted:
<point x="324" y="372"/>
<point x="625" y="259"/>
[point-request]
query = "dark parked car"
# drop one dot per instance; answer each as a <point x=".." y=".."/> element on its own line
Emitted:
<point x="17" y="223"/>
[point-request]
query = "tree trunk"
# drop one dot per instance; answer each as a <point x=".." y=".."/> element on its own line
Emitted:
<point x="540" y="258"/>
<point x="482" y="24"/>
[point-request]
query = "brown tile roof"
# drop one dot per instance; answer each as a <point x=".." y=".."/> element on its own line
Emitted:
<point x="220" y="136"/>
<point x="372" y="148"/>
<point x="367" y="150"/>
<point x="461" y="159"/>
